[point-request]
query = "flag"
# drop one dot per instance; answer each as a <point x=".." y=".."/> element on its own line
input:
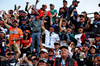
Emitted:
<point x="78" y="38"/>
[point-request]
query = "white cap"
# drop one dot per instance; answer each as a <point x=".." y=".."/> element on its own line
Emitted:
<point x="43" y="50"/>
<point x="3" y="32"/>
<point x="43" y="44"/>
<point x="93" y="46"/>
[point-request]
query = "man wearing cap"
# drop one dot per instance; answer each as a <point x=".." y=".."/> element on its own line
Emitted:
<point x="71" y="8"/>
<point x="63" y="10"/>
<point x="15" y="34"/>
<point x="57" y="50"/>
<point x="65" y="60"/>
<point x="97" y="61"/>
<point x="43" y="54"/>
<point x="24" y="26"/>
<point x="42" y="62"/>
<point x="50" y="36"/>
<point x="36" y="32"/>
<point x="81" y="22"/>
<point x="53" y="12"/>
<point x="40" y="11"/>
<point x="96" y="23"/>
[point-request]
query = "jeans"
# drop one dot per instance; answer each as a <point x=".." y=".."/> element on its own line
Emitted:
<point x="34" y="36"/>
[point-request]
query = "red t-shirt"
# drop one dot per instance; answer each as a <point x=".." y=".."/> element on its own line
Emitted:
<point x="26" y="42"/>
<point x="41" y="13"/>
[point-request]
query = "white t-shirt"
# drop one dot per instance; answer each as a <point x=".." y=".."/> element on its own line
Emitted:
<point x="54" y="38"/>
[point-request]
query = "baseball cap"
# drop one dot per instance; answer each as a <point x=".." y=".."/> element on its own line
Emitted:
<point x="44" y="5"/>
<point x="27" y="31"/>
<point x="76" y="1"/>
<point x="97" y="35"/>
<point x="50" y="50"/>
<point x="85" y="43"/>
<point x="63" y="47"/>
<point x="84" y="12"/>
<point x="93" y="46"/>
<point x="51" y="4"/>
<point x="56" y="43"/>
<point x="96" y="13"/>
<point x="8" y="50"/>
<point x="53" y="26"/>
<point x="2" y="32"/>
<point x="64" y="1"/>
<point x="11" y="53"/>
<point x="36" y="15"/>
<point x="81" y="15"/>
<point x="43" y="60"/>
<point x="44" y="50"/>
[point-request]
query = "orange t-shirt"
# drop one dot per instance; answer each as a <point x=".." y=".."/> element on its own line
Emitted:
<point x="14" y="33"/>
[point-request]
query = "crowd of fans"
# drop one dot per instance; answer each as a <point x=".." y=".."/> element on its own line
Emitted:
<point x="41" y="38"/>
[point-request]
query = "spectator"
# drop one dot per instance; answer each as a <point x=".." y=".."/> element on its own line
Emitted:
<point x="4" y="43"/>
<point x="53" y="12"/>
<point x="36" y="31"/>
<point x="16" y="34"/>
<point x="57" y="50"/>
<point x="26" y="42"/>
<point x="63" y="61"/>
<point x="42" y="62"/>
<point x="63" y="10"/>
<point x="51" y="37"/>
<point x="51" y="57"/>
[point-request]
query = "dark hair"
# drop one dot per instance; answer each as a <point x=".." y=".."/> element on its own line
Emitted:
<point x="25" y="36"/>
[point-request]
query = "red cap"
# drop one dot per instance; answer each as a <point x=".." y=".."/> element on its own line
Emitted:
<point x="8" y="50"/>
<point x="27" y="31"/>
<point x="44" y="5"/>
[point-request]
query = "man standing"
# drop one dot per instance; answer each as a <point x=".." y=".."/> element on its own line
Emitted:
<point x="65" y="60"/>
<point x="63" y="10"/>
<point x="15" y="34"/>
<point x="36" y="31"/>
<point x="53" y="12"/>
<point x="51" y="37"/>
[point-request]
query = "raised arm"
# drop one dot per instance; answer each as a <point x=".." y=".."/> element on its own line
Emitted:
<point x="51" y="20"/>
<point x="5" y="23"/>
<point x="60" y="24"/>
<point x="42" y="25"/>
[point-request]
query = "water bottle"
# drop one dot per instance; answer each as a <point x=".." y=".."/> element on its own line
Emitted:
<point x="13" y="40"/>
<point x="3" y="43"/>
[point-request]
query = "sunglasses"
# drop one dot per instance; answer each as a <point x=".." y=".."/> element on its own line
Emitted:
<point x="84" y="46"/>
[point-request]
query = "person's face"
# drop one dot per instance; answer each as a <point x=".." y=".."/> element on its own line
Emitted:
<point x="11" y="57"/>
<point x="32" y="12"/>
<point x="36" y="17"/>
<point x="85" y="14"/>
<point x="64" y="24"/>
<point x="96" y="16"/>
<point x="44" y="7"/>
<point x="42" y="64"/>
<point x="56" y="20"/>
<point x="64" y="52"/>
<point x="56" y="46"/>
<point x="23" y="22"/>
<point x="51" y="52"/>
<point x="85" y="48"/>
<point x="20" y="13"/>
<point x="14" y="24"/>
<point x="51" y="7"/>
<point x="69" y="30"/>
<point x="92" y="50"/>
<point x="1" y="22"/>
<point x="2" y="35"/>
<point x="80" y="30"/>
<point x="64" y="4"/>
<point x="26" y="33"/>
<point x="97" y="38"/>
<point x="43" y="54"/>
<point x="51" y="29"/>
<point x="82" y="19"/>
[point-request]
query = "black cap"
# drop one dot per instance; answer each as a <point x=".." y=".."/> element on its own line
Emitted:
<point x="56" y="43"/>
<point x="51" y="5"/>
<point x="64" y="1"/>
<point x="97" y="35"/>
<point x="81" y="15"/>
<point x="84" y="12"/>
<point x="85" y="44"/>
<point x="96" y="13"/>
<point x="36" y="15"/>
<point x="11" y="53"/>
<point x="63" y="47"/>
<point x="76" y="1"/>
